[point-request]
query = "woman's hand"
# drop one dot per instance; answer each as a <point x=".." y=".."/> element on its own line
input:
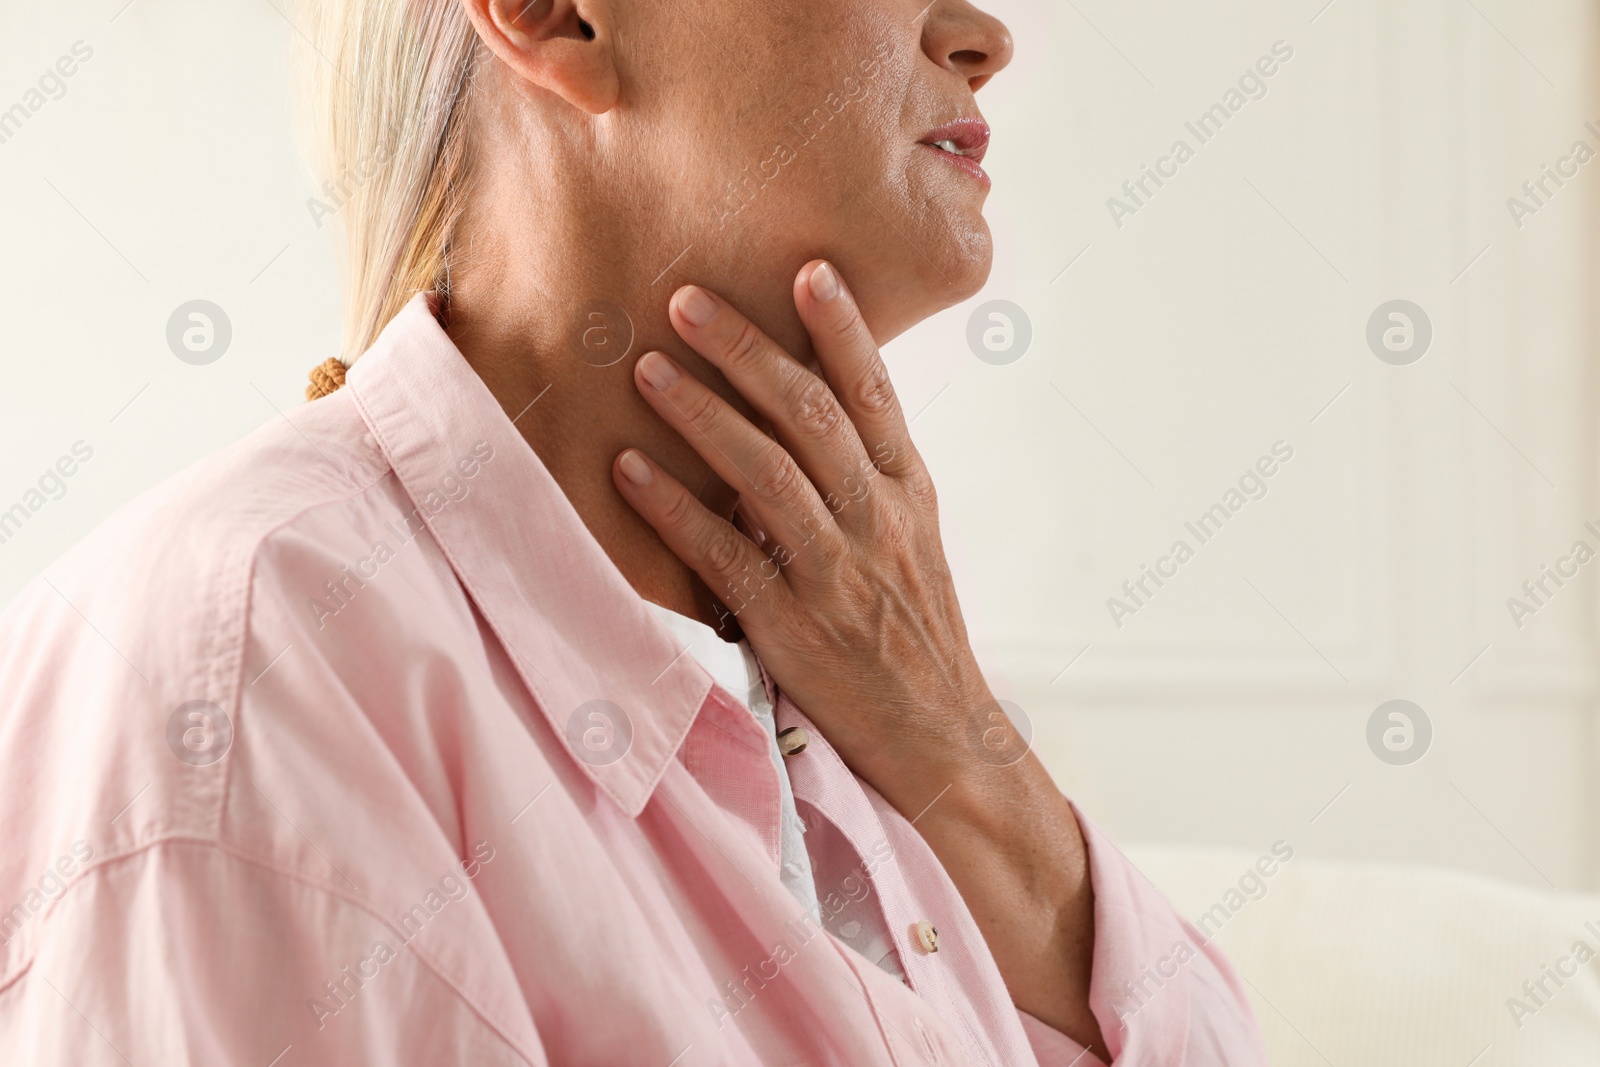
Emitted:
<point x="843" y="589"/>
<point x="841" y="584"/>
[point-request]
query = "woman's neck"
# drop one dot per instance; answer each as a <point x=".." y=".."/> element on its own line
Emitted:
<point x="538" y="314"/>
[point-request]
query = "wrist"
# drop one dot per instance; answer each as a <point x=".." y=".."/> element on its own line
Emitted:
<point x="972" y="762"/>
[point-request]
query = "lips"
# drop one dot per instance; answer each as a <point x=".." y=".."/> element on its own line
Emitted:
<point x="962" y="143"/>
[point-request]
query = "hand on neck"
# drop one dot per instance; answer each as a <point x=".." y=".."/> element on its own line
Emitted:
<point x="539" y="300"/>
<point x="592" y="195"/>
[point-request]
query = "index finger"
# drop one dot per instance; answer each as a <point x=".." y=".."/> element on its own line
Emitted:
<point x="850" y="362"/>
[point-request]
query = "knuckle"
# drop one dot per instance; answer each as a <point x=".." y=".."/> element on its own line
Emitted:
<point x="830" y="551"/>
<point x="893" y="527"/>
<point x="902" y="528"/>
<point x="777" y="476"/>
<point x="814" y="409"/>
<point x="744" y="347"/>
<point x="781" y="554"/>
<point x="679" y="511"/>
<point x="701" y="409"/>
<point x="885" y="456"/>
<point x="875" y="393"/>
<point x="919" y="489"/>
<point x="850" y="328"/>
<point x="721" y="552"/>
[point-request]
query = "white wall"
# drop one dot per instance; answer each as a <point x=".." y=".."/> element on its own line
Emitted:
<point x="1222" y="317"/>
<point x="1226" y="315"/>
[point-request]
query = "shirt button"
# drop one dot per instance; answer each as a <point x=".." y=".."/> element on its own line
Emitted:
<point x="793" y="741"/>
<point x="926" y="935"/>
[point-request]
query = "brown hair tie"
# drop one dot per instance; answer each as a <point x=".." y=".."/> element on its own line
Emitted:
<point x="325" y="378"/>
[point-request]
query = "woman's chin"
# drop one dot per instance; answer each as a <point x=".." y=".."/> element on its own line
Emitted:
<point x="927" y="287"/>
<point x="971" y="268"/>
<point x="959" y="268"/>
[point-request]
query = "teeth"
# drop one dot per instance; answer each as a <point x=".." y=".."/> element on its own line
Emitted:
<point x="948" y="146"/>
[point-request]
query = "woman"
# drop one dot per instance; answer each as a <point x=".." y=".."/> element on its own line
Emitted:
<point x="580" y="680"/>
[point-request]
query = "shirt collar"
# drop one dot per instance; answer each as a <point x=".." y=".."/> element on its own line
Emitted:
<point x="731" y="664"/>
<point x="572" y="625"/>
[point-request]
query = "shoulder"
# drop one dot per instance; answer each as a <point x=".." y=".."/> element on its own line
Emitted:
<point x="136" y="649"/>
<point x="163" y="583"/>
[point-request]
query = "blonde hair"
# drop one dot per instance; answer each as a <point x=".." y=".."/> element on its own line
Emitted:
<point x="388" y="83"/>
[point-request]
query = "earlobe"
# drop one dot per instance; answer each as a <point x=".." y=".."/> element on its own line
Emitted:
<point x="560" y="46"/>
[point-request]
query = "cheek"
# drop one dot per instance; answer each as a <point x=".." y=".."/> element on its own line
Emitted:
<point x="820" y="155"/>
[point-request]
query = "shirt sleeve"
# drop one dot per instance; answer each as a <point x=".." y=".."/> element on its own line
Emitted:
<point x="1161" y="992"/>
<point x="181" y="953"/>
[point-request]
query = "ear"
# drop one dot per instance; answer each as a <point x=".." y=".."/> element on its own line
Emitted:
<point x="554" y="45"/>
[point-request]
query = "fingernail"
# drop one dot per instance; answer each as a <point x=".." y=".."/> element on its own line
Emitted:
<point x="696" y="305"/>
<point x="824" y="283"/>
<point x="634" y="468"/>
<point x="658" y="370"/>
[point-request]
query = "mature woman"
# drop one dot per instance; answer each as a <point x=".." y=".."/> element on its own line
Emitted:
<point x="580" y="679"/>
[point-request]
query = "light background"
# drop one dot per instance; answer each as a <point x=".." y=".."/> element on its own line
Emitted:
<point x="1167" y="355"/>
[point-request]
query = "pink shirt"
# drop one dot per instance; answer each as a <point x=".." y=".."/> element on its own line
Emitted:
<point x="349" y="745"/>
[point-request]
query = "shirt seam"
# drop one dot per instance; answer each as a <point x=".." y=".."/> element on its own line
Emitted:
<point x="245" y="619"/>
<point x="240" y="856"/>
